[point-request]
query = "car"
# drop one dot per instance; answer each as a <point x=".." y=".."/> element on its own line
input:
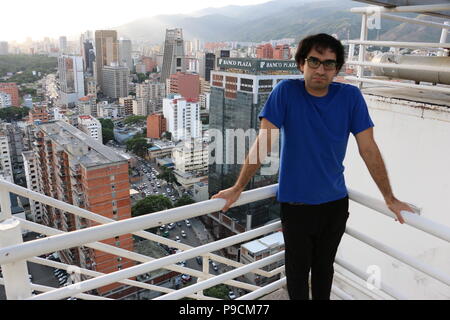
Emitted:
<point x="166" y="234"/>
<point x="171" y="226"/>
<point x="214" y="265"/>
<point x="181" y="263"/>
<point x="183" y="234"/>
<point x="177" y="239"/>
<point x="163" y="227"/>
<point x="186" y="278"/>
<point x="188" y="224"/>
<point x="231" y="295"/>
<point x="199" y="260"/>
<point x="179" y="223"/>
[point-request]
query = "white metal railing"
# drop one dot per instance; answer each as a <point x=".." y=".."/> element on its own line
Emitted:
<point x="13" y="252"/>
<point x="378" y="12"/>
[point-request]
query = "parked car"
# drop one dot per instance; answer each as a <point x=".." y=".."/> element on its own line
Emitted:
<point x="183" y="234"/>
<point x="188" y="224"/>
<point x="177" y="239"/>
<point x="199" y="260"/>
<point x="186" y="278"/>
<point x="214" y="265"/>
<point x="231" y="295"/>
<point x="171" y="226"/>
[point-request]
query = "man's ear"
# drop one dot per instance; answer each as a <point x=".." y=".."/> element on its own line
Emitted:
<point x="301" y="67"/>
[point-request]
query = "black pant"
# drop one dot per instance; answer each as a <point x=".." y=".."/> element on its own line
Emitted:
<point x="312" y="234"/>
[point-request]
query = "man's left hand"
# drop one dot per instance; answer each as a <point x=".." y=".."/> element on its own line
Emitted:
<point x="396" y="206"/>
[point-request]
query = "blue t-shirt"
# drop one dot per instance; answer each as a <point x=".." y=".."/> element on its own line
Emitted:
<point x="314" y="135"/>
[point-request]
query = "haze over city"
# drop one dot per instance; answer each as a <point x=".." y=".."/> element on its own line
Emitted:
<point x="49" y="18"/>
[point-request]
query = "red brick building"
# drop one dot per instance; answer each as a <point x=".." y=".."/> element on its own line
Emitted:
<point x="38" y="113"/>
<point x="185" y="84"/>
<point x="79" y="170"/>
<point x="282" y="52"/>
<point x="156" y="125"/>
<point x="12" y="89"/>
<point x="264" y="51"/>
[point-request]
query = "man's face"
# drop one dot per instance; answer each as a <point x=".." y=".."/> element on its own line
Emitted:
<point x="318" y="79"/>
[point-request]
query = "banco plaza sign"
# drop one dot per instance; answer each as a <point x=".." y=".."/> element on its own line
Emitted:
<point x="257" y="65"/>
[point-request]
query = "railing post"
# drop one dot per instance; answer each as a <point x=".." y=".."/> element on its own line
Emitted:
<point x="443" y="39"/>
<point x="15" y="274"/>
<point x="362" y="48"/>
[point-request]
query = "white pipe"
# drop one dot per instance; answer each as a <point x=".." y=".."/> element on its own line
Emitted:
<point x="438" y="230"/>
<point x="153" y="265"/>
<point x="400" y="66"/>
<point x="418" y="8"/>
<point x="416" y="264"/>
<point x="219" y="278"/>
<point x="415" y="21"/>
<point x="340" y="293"/>
<point x="400" y="84"/>
<point x="398" y="44"/>
<point x="363" y="276"/>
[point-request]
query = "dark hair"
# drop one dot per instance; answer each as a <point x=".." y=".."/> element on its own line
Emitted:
<point x="320" y="42"/>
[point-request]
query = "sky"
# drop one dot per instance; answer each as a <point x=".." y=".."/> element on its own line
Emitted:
<point x="53" y="18"/>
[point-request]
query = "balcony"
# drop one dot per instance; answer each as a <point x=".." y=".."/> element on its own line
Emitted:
<point x="349" y="280"/>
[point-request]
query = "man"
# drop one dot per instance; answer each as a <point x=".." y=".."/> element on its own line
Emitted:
<point x="315" y="116"/>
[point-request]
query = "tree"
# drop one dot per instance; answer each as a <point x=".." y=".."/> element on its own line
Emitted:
<point x="13" y="113"/>
<point x="107" y="135"/>
<point x="106" y="123"/>
<point x="135" y="119"/>
<point x="183" y="201"/>
<point x="167" y="175"/>
<point x="138" y="145"/>
<point x="151" y="204"/>
<point x="220" y="291"/>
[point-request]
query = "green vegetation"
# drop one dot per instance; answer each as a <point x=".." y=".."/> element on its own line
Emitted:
<point x="26" y="64"/>
<point x="183" y="201"/>
<point x="167" y="175"/>
<point x="151" y="204"/>
<point x="135" y="120"/>
<point x="138" y="145"/>
<point x="220" y="291"/>
<point x="107" y="130"/>
<point x="13" y="113"/>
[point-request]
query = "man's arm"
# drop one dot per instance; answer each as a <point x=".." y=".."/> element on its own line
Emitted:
<point x="371" y="155"/>
<point x="268" y="133"/>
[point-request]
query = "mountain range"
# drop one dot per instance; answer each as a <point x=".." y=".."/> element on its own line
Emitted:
<point x="272" y="20"/>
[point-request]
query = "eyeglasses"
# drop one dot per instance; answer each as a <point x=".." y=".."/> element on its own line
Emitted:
<point x="314" y="63"/>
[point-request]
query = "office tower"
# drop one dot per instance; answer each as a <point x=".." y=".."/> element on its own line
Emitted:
<point x="210" y="63"/>
<point x="87" y="106"/>
<point x="6" y="169"/>
<point x="88" y="56"/>
<point x="191" y="156"/>
<point x="63" y="44"/>
<point x="79" y="170"/>
<point x="238" y="94"/>
<point x="152" y="93"/>
<point x="106" y="52"/>
<point x="156" y="125"/>
<point x="125" y="49"/>
<point x="71" y="79"/>
<point x="185" y="84"/>
<point x="14" y="138"/>
<point x="91" y="126"/>
<point x="90" y="85"/>
<point x="12" y="90"/>
<point x="173" y="60"/>
<point x="4" y="47"/>
<point x="183" y="117"/>
<point x="115" y="81"/>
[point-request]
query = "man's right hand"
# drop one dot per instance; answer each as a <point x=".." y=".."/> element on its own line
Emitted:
<point x="230" y="195"/>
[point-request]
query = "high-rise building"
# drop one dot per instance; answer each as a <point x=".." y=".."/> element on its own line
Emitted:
<point x="125" y="49"/>
<point x="87" y="106"/>
<point x="63" y="44"/>
<point x="33" y="183"/>
<point x="38" y="114"/>
<point x="106" y="52"/>
<point x="91" y="126"/>
<point x="88" y="56"/>
<point x="11" y="89"/>
<point x="4" y="47"/>
<point x="79" y="170"/>
<point x="129" y="103"/>
<point x="156" y="125"/>
<point x="14" y="137"/>
<point x="238" y="93"/>
<point x="264" y="51"/>
<point x="210" y="64"/>
<point x="115" y="81"/>
<point x="183" y="117"/>
<point x="5" y="100"/>
<point x="191" y="156"/>
<point x="71" y="79"/>
<point x="173" y="60"/>
<point x="282" y="52"/>
<point x="185" y="84"/>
